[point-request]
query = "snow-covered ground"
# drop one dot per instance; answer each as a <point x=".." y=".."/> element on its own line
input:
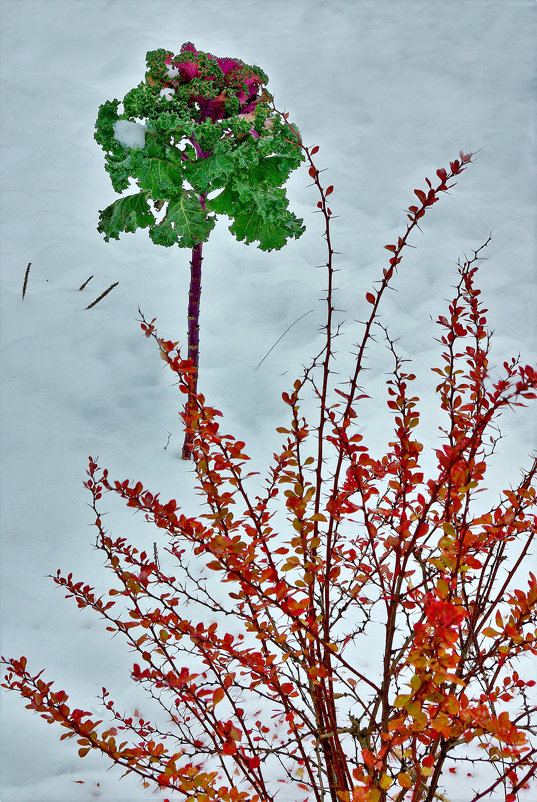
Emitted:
<point x="390" y="91"/>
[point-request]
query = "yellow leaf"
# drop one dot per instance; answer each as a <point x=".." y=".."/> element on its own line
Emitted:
<point x="415" y="682"/>
<point x="385" y="782"/>
<point x="235" y="733"/>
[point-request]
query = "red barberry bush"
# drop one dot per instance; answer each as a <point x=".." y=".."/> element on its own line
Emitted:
<point x="250" y="629"/>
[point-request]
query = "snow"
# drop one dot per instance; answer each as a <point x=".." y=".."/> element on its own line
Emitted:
<point x="168" y="93"/>
<point x="172" y="71"/>
<point x="390" y="91"/>
<point x="129" y="134"/>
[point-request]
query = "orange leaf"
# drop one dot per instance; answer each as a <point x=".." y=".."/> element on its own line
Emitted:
<point x="404" y="780"/>
<point x="218" y="695"/>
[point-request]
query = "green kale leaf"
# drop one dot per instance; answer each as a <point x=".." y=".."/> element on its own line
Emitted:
<point x="125" y="214"/>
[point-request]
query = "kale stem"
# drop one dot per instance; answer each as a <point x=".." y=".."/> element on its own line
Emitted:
<point x="194" y="296"/>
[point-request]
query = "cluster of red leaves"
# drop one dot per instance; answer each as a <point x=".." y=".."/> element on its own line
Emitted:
<point x="261" y="681"/>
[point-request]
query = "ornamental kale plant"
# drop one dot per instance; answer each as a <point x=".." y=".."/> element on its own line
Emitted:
<point x="260" y="676"/>
<point x="199" y="138"/>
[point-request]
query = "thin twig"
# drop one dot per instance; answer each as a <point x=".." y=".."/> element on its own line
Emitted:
<point x="283" y="335"/>
<point x="96" y="301"/>
<point x="87" y="281"/>
<point x="26" y="280"/>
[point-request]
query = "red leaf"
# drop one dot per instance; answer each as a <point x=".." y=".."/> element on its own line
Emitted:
<point x="329" y="190"/>
<point x="229" y="748"/>
<point x="370" y="298"/>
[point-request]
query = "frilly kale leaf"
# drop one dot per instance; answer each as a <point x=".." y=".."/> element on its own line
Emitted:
<point x="212" y="172"/>
<point x="252" y="226"/>
<point x="104" y="126"/>
<point x="184" y="223"/>
<point x="159" y="176"/>
<point x="126" y="214"/>
<point x="258" y="213"/>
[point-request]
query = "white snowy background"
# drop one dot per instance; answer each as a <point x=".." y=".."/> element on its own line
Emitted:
<point x="390" y="90"/>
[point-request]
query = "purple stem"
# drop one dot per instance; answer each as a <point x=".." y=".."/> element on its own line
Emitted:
<point x="194" y="296"/>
